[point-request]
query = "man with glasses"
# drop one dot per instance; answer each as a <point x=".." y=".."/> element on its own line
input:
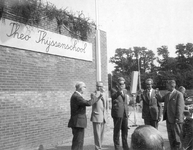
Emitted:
<point x="119" y="114"/>
<point x="151" y="110"/>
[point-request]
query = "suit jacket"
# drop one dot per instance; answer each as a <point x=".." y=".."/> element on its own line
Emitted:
<point x="151" y="106"/>
<point x="78" y="110"/>
<point x="119" y="104"/>
<point x="173" y="107"/>
<point x="99" y="108"/>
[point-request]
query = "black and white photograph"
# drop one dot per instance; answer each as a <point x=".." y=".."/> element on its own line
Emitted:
<point x="96" y="75"/>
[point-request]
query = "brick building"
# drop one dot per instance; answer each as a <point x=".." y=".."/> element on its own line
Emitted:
<point x="36" y="86"/>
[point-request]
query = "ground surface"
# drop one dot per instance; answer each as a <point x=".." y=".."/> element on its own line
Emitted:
<point x="108" y="137"/>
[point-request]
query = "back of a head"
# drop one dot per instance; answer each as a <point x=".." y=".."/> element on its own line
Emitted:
<point x="182" y="89"/>
<point x="146" y="137"/>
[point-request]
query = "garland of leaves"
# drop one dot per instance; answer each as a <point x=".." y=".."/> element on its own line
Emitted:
<point x="31" y="12"/>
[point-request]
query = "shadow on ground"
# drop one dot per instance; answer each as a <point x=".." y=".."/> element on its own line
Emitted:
<point x="108" y="147"/>
<point x="61" y="148"/>
<point x="105" y="147"/>
<point x="166" y="144"/>
<point x="87" y="147"/>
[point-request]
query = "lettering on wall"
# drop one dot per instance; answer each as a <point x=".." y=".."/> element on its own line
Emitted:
<point x="14" y="34"/>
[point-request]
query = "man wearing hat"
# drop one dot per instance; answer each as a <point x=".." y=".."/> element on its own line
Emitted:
<point x="119" y="114"/>
<point x="173" y="114"/>
<point x="98" y="117"/>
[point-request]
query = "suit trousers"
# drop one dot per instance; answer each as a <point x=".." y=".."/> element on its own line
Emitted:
<point x="98" y="130"/>
<point x="149" y="121"/>
<point x="174" y="135"/>
<point x="120" y="124"/>
<point x="78" y="138"/>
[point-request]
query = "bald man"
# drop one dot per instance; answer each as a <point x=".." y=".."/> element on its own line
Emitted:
<point x="146" y="137"/>
<point x="78" y="119"/>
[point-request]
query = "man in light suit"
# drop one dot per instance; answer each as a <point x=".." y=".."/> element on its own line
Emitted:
<point x="119" y="114"/>
<point x="99" y="117"/>
<point x="183" y="91"/>
<point x="78" y="119"/>
<point x="173" y="114"/>
<point x="151" y="112"/>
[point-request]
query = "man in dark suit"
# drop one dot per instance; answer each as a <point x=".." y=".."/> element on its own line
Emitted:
<point x="119" y="114"/>
<point x="78" y="119"/>
<point x="173" y="114"/>
<point x="151" y="110"/>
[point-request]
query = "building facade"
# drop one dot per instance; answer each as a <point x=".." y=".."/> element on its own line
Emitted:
<point x="37" y="81"/>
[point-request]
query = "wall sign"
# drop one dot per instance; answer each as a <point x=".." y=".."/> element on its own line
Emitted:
<point x="14" y="34"/>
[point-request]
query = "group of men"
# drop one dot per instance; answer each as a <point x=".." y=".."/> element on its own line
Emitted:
<point x="173" y="111"/>
<point x="151" y="113"/>
<point x="78" y="119"/>
<point x="98" y="101"/>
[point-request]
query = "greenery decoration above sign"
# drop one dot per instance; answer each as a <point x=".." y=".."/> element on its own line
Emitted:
<point x="31" y="12"/>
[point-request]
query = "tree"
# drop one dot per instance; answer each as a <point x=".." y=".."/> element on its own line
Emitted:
<point x="167" y="65"/>
<point x="124" y="64"/>
<point x="189" y="50"/>
<point x="179" y="68"/>
<point x="126" y="61"/>
<point x="163" y="51"/>
<point x="185" y="64"/>
<point x="184" y="59"/>
<point x="146" y="58"/>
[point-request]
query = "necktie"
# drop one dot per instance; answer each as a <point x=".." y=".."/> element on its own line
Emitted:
<point x="122" y="95"/>
<point x="148" y="93"/>
<point x="170" y="93"/>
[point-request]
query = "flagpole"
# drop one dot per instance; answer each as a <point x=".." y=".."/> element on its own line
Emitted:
<point x="98" y="48"/>
<point x="139" y="71"/>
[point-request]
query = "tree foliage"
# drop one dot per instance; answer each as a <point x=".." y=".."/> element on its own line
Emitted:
<point x="128" y="60"/>
<point x="160" y="68"/>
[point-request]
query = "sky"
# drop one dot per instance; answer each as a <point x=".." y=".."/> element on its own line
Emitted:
<point x="143" y="23"/>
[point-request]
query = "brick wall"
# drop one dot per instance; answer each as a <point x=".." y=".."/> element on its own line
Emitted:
<point x="35" y="91"/>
